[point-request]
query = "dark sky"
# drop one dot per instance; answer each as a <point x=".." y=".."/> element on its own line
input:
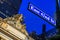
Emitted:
<point x="33" y="22"/>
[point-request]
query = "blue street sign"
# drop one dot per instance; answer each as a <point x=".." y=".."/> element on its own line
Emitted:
<point x="40" y="13"/>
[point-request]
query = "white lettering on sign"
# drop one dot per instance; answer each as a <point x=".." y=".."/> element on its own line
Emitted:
<point x="42" y="14"/>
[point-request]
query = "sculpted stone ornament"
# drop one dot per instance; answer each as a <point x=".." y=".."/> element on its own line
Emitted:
<point x="15" y="21"/>
<point x="12" y="24"/>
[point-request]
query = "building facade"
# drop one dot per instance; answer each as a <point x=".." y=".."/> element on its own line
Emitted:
<point x="12" y="29"/>
<point x="9" y="7"/>
<point x="58" y="13"/>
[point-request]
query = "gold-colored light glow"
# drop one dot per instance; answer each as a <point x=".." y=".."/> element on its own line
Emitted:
<point x="14" y="28"/>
